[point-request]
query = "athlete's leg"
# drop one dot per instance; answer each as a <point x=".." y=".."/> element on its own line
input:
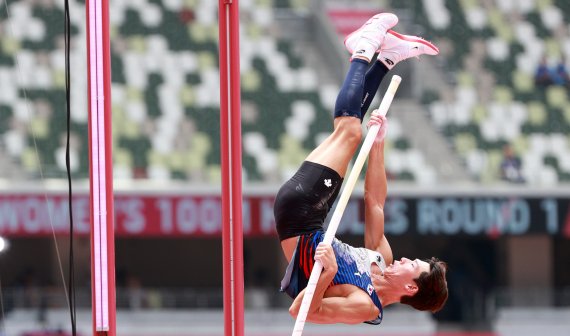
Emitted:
<point x="372" y="81"/>
<point x="303" y="202"/>
<point x="339" y="148"/>
<point x="298" y="194"/>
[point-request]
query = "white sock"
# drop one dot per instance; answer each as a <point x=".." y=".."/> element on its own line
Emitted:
<point x="365" y="48"/>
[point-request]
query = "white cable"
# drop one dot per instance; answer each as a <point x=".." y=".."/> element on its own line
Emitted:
<point x="342" y="202"/>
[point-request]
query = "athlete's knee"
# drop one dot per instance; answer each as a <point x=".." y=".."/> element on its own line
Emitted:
<point x="349" y="130"/>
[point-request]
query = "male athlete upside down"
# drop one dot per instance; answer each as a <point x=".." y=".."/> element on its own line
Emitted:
<point x="356" y="283"/>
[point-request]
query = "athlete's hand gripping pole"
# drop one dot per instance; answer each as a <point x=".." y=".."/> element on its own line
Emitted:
<point x="342" y="202"/>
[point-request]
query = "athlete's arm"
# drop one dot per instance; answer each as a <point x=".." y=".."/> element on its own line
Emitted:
<point x="375" y="191"/>
<point x="352" y="309"/>
<point x="325" y="254"/>
<point x="355" y="307"/>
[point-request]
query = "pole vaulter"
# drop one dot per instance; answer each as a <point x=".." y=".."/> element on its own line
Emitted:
<point x="342" y="202"/>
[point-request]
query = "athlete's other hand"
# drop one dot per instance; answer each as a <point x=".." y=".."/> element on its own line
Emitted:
<point x="381" y="121"/>
<point x="326" y="256"/>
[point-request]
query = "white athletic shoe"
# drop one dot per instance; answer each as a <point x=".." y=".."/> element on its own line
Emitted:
<point x="366" y="40"/>
<point x="398" y="47"/>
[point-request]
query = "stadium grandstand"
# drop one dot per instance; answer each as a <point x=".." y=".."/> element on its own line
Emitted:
<point x="477" y="158"/>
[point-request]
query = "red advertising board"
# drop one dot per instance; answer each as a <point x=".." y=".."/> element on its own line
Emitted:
<point x="144" y="216"/>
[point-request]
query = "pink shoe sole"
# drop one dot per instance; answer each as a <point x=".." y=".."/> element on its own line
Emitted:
<point x="414" y="39"/>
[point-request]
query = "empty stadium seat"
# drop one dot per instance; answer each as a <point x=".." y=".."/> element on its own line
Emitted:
<point x="516" y="35"/>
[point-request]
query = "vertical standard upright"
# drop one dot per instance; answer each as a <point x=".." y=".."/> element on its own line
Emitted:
<point x="230" y="142"/>
<point x="101" y="168"/>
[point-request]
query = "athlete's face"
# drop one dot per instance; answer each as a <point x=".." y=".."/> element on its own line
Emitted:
<point x="403" y="272"/>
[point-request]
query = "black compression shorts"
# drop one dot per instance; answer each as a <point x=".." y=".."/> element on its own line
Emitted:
<point x="303" y="202"/>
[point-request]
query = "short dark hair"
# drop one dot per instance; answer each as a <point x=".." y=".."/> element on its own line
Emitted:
<point x="432" y="288"/>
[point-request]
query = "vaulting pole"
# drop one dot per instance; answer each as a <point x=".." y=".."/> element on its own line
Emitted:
<point x="101" y="168"/>
<point x="230" y="141"/>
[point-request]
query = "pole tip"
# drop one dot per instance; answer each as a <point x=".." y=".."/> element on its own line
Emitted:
<point x="396" y="79"/>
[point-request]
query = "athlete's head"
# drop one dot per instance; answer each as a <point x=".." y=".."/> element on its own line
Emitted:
<point x="422" y="282"/>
